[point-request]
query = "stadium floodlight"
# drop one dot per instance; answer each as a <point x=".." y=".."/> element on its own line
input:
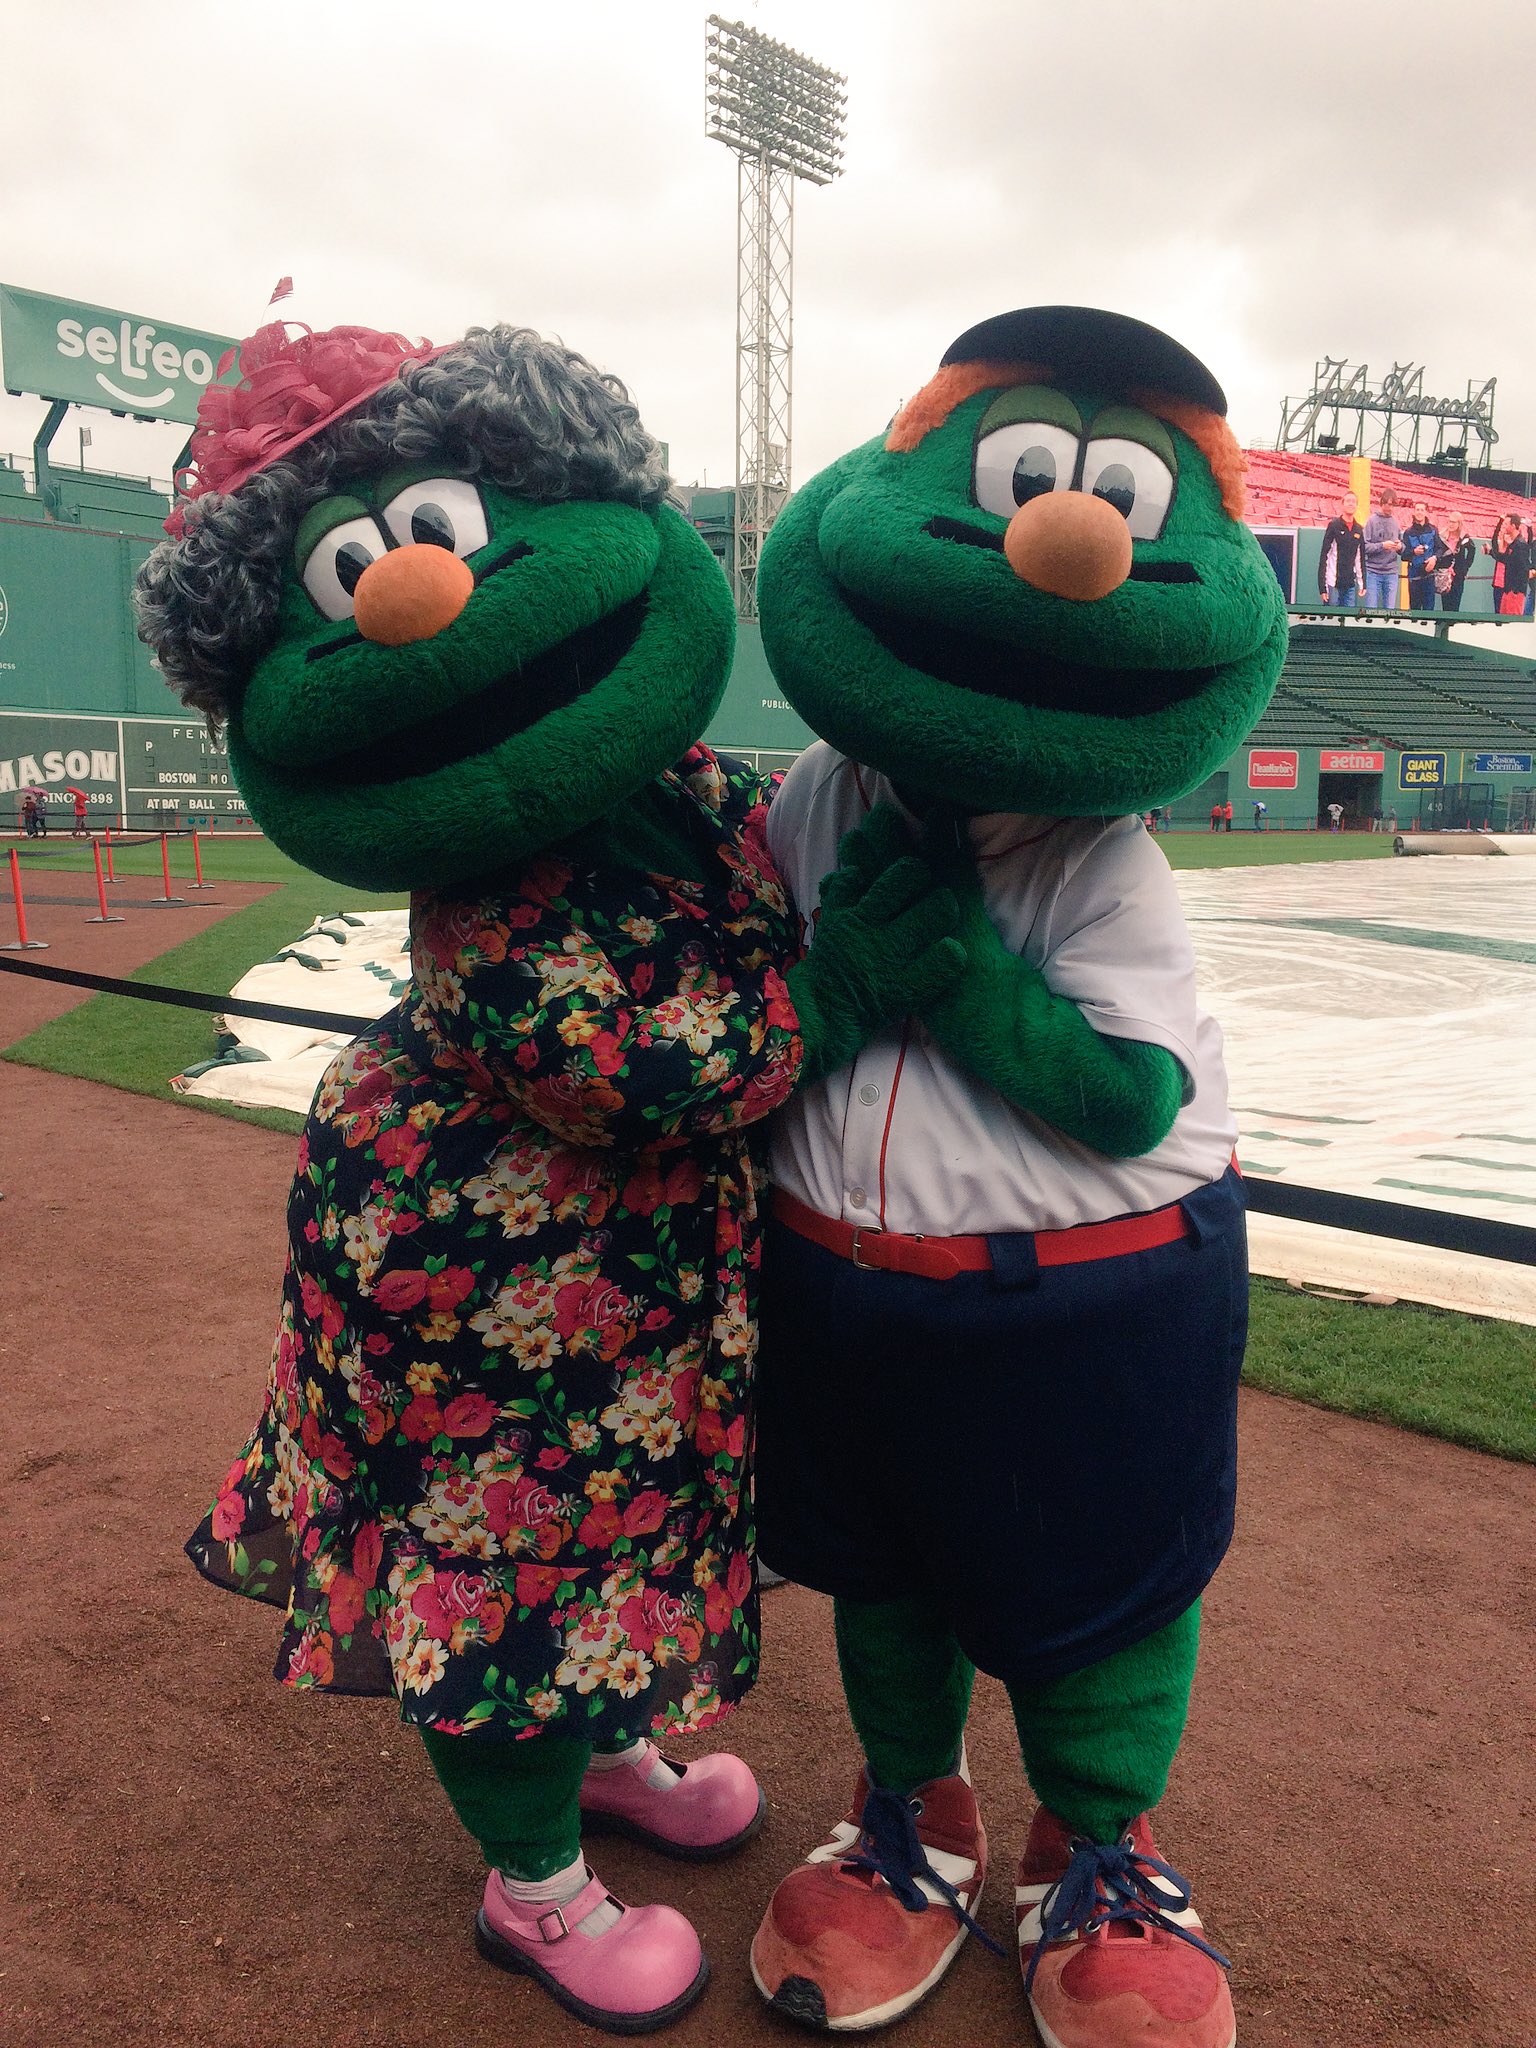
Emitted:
<point x="783" y="118"/>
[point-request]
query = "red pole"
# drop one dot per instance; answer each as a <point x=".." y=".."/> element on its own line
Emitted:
<point x="21" y="943"/>
<point x="197" y="859"/>
<point x="111" y="872"/>
<point x="165" y="869"/>
<point x="101" y="891"/>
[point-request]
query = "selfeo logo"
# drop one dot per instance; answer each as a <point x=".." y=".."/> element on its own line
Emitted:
<point x="137" y="358"/>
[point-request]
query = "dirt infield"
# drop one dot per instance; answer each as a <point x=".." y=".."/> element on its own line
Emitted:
<point x="198" y="1860"/>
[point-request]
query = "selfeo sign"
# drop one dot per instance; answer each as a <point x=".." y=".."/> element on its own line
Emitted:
<point x="90" y="355"/>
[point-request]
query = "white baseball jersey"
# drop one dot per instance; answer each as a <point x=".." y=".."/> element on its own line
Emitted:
<point x="904" y="1139"/>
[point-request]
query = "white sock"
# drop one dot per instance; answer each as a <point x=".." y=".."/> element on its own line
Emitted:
<point x="660" y="1777"/>
<point x="559" y="1890"/>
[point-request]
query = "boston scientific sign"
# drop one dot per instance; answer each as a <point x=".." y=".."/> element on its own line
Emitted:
<point x="91" y="355"/>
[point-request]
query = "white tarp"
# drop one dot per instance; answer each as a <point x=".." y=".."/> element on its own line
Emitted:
<point x="1380" y="1019"/>
<point x="355" y="964"/>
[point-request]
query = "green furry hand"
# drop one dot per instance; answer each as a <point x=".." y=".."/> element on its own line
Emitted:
<point x="1003" y="1023"/>
<point x="884" y="947"/>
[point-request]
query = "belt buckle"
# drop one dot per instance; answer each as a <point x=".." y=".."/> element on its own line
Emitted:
<point x="853" y="1253"/>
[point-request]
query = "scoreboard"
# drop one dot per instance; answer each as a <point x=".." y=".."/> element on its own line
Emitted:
<point x="137" y="771"/>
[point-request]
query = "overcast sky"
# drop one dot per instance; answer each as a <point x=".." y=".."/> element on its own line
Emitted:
<point x="1271" y="182"/>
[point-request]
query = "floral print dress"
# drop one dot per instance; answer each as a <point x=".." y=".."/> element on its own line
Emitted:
<point x="502" y="1464"/>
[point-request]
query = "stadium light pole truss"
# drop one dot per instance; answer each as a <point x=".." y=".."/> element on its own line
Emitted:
<point x="783" y="118"/>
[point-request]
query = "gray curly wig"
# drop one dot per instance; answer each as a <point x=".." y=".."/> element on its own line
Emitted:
<point x="505" y="404"/>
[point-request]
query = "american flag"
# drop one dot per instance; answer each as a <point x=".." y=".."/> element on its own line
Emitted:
<point x="283" y="289"/>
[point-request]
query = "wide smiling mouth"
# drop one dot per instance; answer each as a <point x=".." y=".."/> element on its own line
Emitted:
<point x="501" y="709"/>
<point x="1026" y="676"/>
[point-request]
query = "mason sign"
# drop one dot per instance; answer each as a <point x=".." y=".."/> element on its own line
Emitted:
<point x="90" y="355"/>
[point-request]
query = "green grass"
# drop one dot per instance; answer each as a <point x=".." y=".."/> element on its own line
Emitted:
<point x="137" y="1045"/>
<point x="1469" y="1380"/>
<point x="1270" y="849"/>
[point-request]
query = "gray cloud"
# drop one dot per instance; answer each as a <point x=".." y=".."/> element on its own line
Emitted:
<point x="1270" y="181"/>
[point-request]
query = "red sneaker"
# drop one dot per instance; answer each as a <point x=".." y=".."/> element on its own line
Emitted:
<point x="1112" y="1952"/>
<point x="869" y="1923"/>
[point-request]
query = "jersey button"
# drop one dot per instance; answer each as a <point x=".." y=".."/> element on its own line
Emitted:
<point x="869" y="1093"/>
<point x="857" y="1197"/>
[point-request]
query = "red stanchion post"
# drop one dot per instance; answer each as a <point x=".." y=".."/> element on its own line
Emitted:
<point x="21" y="943"/>
<point x="165" y="869"/>
<point x="106" y="916"/>
<point x="197" y="862"/>
<point x="112" y="875"/>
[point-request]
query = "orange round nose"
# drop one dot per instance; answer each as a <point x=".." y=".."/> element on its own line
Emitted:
<point x="1067" y="543"/>
<point x="410" y="594"/>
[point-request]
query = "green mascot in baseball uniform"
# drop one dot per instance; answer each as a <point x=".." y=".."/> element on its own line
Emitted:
<point x="1006" y="1281"/>
<point x="463" y="646"/>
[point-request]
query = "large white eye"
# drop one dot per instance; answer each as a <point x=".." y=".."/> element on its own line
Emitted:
<point x="337" y="560"/>
<point x="1021" y="461"/>
<point x="1132" y="478"/>
<point x="443" y="512"/>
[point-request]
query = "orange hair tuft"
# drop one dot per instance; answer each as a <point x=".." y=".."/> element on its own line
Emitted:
<point x="956" y="382"/>
<point x="1212" y="436"/>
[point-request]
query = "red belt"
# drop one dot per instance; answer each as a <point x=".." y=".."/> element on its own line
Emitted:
<point x="941" y="1258"/>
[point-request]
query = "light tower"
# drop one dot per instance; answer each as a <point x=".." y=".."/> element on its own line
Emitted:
<point x="782" y="115"/>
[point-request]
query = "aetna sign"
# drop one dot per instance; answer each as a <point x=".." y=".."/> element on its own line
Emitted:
<point x="1272" y="768"/>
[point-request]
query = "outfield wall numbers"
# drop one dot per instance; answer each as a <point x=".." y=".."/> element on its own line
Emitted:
<point x="141" y="768"/>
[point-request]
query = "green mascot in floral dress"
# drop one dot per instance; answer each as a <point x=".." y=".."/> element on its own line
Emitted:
<point x="463" y="646"/>
<point x="1005" y="1289"/>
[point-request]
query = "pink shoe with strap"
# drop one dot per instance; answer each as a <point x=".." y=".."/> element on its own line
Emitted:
<point x="701" y="1810"/>
<point x="633" y="1974"/>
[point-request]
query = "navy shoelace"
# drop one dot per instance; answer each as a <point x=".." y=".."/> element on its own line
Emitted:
<point x="1105" y="1882"/>
<point x="889" y="1845"/>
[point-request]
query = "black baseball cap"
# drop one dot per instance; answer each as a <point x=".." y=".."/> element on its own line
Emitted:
<point x="1107" y="348"/>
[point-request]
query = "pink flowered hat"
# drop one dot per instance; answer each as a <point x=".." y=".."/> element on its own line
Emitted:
<point x="292" y="386"/>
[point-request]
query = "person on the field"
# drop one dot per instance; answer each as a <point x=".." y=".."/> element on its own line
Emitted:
<point x="1226" y="815"/>
<point x="502" y="1471"/>
<point x="1341" y="565"/>
<point x="1260" y="812"/>
<point x="1216" y="817"/>
<point x="1383" y="549"/>
<point x="1422" y="547"/>
<point x="81" y="826"/>
<point x="1335" y="817"/>
<point x="30" y="815"/>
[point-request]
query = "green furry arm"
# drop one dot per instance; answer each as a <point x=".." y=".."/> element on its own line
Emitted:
<point x="883" y="948"/>
<point x="1040" y="1052"/>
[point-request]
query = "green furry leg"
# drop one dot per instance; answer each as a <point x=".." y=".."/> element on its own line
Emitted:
<point x="1098" y="1744"/>
<point x="520" y="1800"/>
<point x="908" y="1685"/>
